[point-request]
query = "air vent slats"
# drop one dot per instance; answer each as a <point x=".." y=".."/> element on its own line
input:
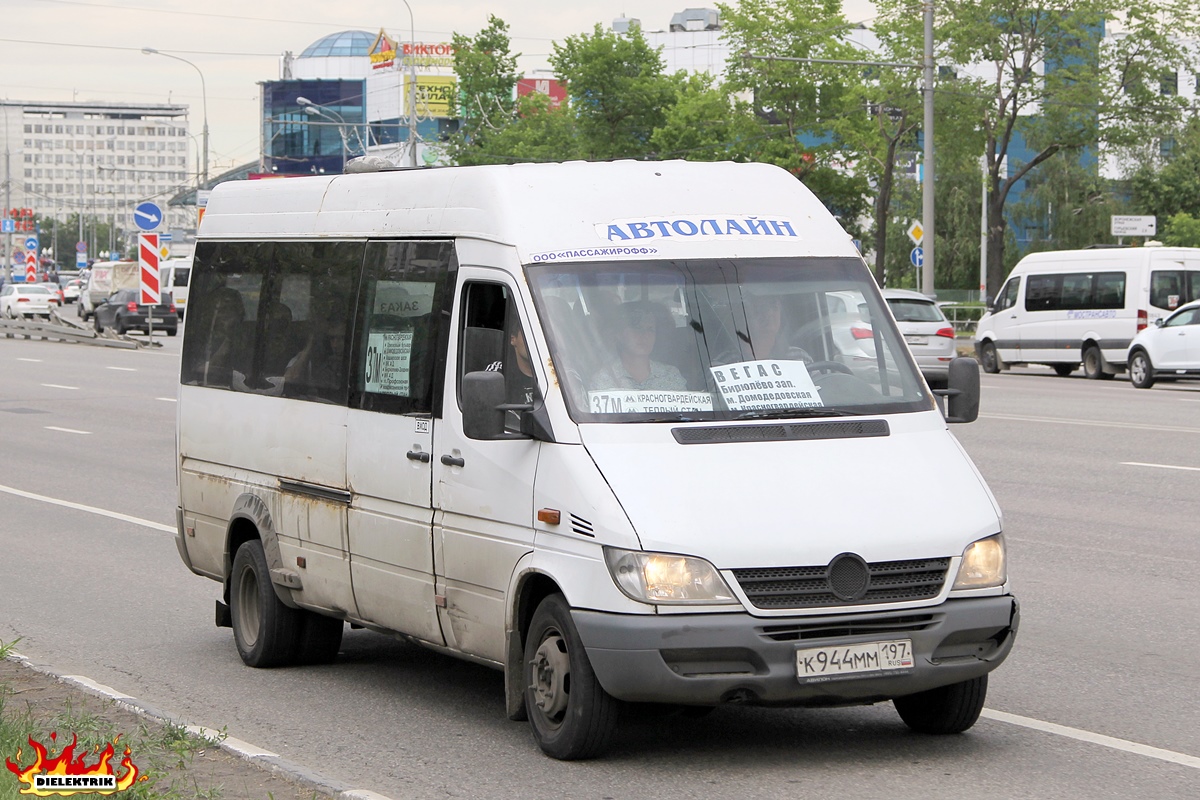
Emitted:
<point x="802" y="431"/>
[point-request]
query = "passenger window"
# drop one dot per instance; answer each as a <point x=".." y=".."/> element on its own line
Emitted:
<point x="492" y="339"/>
<point x="1166" y="289"/>
<point x="401" y="339"/>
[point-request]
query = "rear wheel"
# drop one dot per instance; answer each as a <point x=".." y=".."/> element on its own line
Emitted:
<point x="991" y="360"/>
<point x="1141" y="371"/>
<point x="96" y="324"/>
<point x="948" y="709"/>
<point x="119" y="326"/>
<point x="265" y="630"/>
<point x="571" y="715"/>
<point x="1093" y="364"/>
<point x="172" y="331"/>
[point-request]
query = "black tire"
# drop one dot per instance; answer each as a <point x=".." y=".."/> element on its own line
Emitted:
<point x="1063" y="370"/>
<point x="1093" y="364"/>
<point x="1141" y="371"/>
<point x="990" y="360"/>
<point x="119" y="326"/>
<point x="172" y="331"/>
<point x="265" y="630"/>
<point x="946" y="710"/>
<point x="320" y="638"/>
<point x="96" y="324"/>
<point x="571" y="715"/>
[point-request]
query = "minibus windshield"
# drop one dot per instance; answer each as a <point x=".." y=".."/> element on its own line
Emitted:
<point x="723" y="339"/>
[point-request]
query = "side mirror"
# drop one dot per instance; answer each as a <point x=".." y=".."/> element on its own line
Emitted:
<point x="482" y="396"/>
<point x="1158" y="323"/>
<point x="962" y="394"/>
<point x="990" y="303"/>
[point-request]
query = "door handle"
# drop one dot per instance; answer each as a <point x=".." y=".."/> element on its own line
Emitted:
<point x="451" y="461"/>
<point x="416" y="455"/>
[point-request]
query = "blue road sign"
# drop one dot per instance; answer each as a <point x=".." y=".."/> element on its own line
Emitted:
<point x="31" y="243"/>
<point x="917" y="256"/>
<point x="8" y="226"/>
<point x="164" y="237"/>
<point x="147" y="216"/>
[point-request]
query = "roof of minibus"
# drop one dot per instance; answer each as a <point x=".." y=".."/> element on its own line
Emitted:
<point x="572" y="211"/>
<point x="1103" y="255"/>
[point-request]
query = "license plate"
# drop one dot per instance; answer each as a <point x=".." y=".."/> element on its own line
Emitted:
<point x="917" y="339"/>
<point x="817" y="664"/>
<point x="156" y="319"/>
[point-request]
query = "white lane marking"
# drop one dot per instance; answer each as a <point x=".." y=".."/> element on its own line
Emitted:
<point x="67" y="430"/>
<point x="1091" y="422"/>
<point x="33" y="360"/>
<point x="60" y="386"/>
<point x="1094" y="738"/>
<point x="123" y="369"/>
<point x="1158" y="466"/>
<point x="158" y="526"/>
<point x="168" y="399"/>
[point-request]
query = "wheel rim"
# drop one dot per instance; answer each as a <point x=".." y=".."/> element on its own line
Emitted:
<point x="248" y="618"/>
<point x="551" y="677"/>
<point x="1137" y="370"/>
<point x="1091" y="361"/>
<point x="989" y="357"/>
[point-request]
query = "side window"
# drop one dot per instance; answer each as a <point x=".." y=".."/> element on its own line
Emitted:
<point x="1110" y="290"/>
<point x="1191" y="317"/>
<point x="272" y="318"/>
<point x="492" y="339"/>
<point x="1042" y="292"/>
<point x="218" y="349"/>
<point x="1008" y="295"/>
<point x="1166" y="289"/>
<point x="401" y="338"/>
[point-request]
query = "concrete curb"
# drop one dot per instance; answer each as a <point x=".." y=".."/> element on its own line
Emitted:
<point x="246" y="751"/>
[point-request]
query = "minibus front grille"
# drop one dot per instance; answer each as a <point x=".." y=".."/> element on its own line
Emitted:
<point x="810" y="587"/>
<point x="858" y="626"/>
<point x="802" y="431"/>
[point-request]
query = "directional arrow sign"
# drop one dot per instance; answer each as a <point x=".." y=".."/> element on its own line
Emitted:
<point x="147" y="216"/>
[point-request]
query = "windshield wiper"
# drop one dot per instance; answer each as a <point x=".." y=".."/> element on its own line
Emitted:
<point x="783" y="413"/>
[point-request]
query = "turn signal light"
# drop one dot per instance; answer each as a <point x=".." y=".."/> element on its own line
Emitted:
<point x="1143" y="319"/>
<point x="131" y="306"/>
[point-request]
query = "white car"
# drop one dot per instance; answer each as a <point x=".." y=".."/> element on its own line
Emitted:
<point x="26" y="300"/>
<point x="929" y="335"/>
<point x="72" y="289"/>
<point x="1170" y="348"/>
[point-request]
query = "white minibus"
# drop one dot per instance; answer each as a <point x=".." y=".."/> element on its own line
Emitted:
<point x="173" y="276"/>
<point x="589" y="424"/>
<point x="1069" y="307"/>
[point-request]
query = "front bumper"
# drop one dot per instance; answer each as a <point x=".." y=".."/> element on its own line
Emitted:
<point x="707" y="659"/>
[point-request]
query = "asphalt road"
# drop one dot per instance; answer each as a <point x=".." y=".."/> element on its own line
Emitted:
<point x="1099" y="482"/>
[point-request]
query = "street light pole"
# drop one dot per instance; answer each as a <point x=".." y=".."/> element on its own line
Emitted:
<point x="203" y="95"/>
<point x="412" y="87"/>
<point x="314" y="110"/>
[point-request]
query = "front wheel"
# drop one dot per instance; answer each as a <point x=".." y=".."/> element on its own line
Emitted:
<point x="948" y="709"/>
<point x="571" y="715"/>
<point x="1141" y="371"/>
<point x="991" y="361"/>
<point x="265" y="630"/>
<point x="96" y="324"/>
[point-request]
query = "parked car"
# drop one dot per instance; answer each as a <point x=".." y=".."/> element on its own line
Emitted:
<point x="929" y="335"/>
<point x="123" y="313"/>
<point x="25" y="300"/>
<point x="1168" y="349"/>
<point x="72" y="289"/>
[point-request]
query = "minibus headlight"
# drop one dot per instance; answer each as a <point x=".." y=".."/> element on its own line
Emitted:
<point x="663" y="578"/>
<point x="983" y="564"/>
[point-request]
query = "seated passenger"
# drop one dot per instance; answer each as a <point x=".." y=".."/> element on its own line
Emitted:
<point x="633" y="368"/>
<point x="764" y="315"/>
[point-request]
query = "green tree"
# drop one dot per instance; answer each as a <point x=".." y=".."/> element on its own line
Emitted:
<point x="705" y="123"/>
<point x="1049" y="85"/>
<point x="487" y="74"/>
<point x="1182" y="230"/>
<point x="1169" y="183"/>
<point x="617" y="89"/>
<point x="803" y="108"/>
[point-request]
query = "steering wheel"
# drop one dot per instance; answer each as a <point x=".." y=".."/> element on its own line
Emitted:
<point x="829" y="366"/>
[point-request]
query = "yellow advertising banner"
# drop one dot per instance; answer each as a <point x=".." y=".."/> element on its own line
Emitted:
<point x="434" y="93"/>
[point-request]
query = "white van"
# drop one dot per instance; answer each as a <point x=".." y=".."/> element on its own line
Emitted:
<point x="173" y="276"/>
<point x="588" y="424"/>
<point x="1067" y="307"/>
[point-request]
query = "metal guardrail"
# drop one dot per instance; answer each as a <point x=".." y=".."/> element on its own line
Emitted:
<point x="963" y="318"/>
<point x="63" y="330"/>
